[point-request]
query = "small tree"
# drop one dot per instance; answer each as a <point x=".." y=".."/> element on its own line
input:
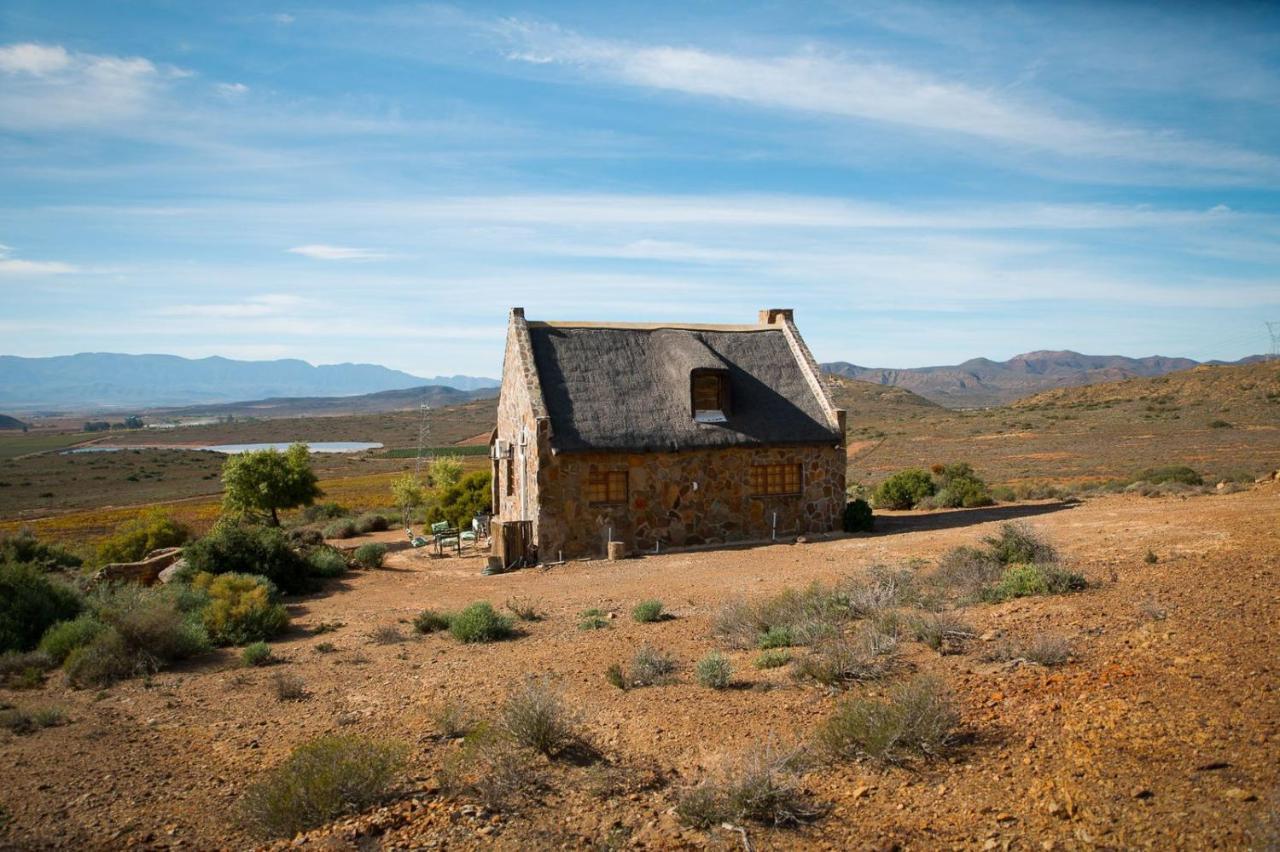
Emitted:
<point x="265" y="481"/>
<point x="408" y="494"/>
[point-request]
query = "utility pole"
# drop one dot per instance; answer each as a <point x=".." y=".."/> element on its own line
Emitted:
<point x="1274" y="329"/>
<point x="424" y="440"/>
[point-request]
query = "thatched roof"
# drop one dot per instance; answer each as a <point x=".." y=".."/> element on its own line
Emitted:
<point x="608" y="387"/>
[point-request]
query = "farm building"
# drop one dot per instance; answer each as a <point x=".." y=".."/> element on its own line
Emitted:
<point x="663" y="435"/>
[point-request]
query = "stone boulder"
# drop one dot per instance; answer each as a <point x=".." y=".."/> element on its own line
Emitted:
<point x="145" y="571"/>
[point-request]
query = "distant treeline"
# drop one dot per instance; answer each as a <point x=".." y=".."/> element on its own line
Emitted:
<point x="104" y="426"/>
<point x="463" y="450"/>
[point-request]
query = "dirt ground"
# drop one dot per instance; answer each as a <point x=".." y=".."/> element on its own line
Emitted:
<point x="1162" y="732"/>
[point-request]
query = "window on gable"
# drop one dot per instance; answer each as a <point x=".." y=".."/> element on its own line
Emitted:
<point x="607" y="487"/>
<point x="709" y="390"/>
<point x="774" y="480"/>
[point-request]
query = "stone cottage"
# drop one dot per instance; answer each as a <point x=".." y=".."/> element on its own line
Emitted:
<point x="664" y="435"/>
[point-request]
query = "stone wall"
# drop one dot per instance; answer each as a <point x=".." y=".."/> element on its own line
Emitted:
<point x="520" y="409"/>
<point x="686" y="498"/>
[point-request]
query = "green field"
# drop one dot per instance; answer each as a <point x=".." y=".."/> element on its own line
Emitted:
<point x="25" y="443"/>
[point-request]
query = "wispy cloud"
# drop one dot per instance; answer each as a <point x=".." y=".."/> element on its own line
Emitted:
<point x="834" y="84"/>
<point x="10" y="265"/>
<point x="320" y="251"/>
<point x="48" y="87"/>
<point x="268" y="305"/>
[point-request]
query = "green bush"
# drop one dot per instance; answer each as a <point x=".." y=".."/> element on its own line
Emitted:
<point x="320" y="781"/>
<point x="959" y="486"/>
<point x="1019" y="543"/>
<point x="916" y="719"/>
<point x="1019" y="581"/>
<point x="232" y="548"/>
<point x="30" y="603"/>
<point x="776" y="637"/>
<point x="65" y="636"/>
<point x="242" y="608"/>
<point x="257" y="654"/>
<point x="323" y="512"/>
<point x="648" y="611"/>
<point x="479" y="622"/>
<point x="430" y="621"/>
<point x="593" y="619"/>
<point x="327" y="562"/>
<point x="371" y="522"/>
<point x="144" y="630"/>
<point x="370" y="555"/>
<point x="714" y="671"/>
<point x="153" y="529"/>
<point x="26" y="549"/>
<point x="343" y="528"/>
<point x="904" y="489"/>
<point x="773" y="659"/>
<point x="857" y="517"/>
<point x="1180" y="474"/>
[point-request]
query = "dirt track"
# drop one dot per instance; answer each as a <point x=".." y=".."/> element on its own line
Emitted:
<point x="1162" y="733"/>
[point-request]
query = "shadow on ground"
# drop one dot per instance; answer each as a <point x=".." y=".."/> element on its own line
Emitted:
<point x="894" y="524"/>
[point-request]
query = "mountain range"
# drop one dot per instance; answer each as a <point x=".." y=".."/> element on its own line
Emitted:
<point x="981" y="382"/>
<point x="95" y="380"/>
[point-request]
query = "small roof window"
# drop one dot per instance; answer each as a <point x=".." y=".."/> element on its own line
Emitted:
<point x="709" y="391"/>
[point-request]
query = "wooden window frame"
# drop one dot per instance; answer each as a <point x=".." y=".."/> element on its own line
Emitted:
<point x="511" y="474"/>
<point x="776" y="479"/>
<point x="608" y="488"/>
<point x="722" y="390"/>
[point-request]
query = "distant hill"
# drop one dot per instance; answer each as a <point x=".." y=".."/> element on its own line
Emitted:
<point x="981" y="382"/>
<point x="319" y="406"/>
<point x="1244" y="393"/>
<point x="103" y="380"/>
<point x="7" y="422"/>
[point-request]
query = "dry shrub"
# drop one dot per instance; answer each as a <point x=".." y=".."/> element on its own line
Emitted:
<point x="758" y="787"/>
<point x="453" y="719"/>
<point x="915" y="719"/>
<point x="945" y="633"/>
<point x="867" y="655"/>
<point x="524" y="609"/>
<point x="650" y="667"/>
<point x="534" y="715"/>
<point x="1043" y="649"/>
<point x="320" y="781"/>
<point x="29" y="721"/>
<point x="387" y="634"/>
<point x="288" y="687"/>
<point x="490" y="768"/>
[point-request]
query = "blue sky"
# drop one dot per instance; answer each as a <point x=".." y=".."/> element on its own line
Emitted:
<point x="923" y="183"/>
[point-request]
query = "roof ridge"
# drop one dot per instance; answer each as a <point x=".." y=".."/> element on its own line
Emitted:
<point x="652" y="326"/>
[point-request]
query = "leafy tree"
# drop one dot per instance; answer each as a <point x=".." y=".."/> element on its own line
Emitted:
<point x="463" y="501"/>
<point x="265" y="481"/>
<point x="446" y="471"/>
<point x="407" y="494"/>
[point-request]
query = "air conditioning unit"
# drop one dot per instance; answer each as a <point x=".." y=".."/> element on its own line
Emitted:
<point x="500" y="449"/>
